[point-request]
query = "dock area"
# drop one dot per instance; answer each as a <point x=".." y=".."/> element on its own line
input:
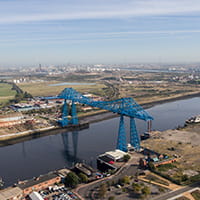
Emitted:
<point x="29" y="134"/>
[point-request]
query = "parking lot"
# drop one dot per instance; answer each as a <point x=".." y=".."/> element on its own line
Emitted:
<point x="57" y="193"/>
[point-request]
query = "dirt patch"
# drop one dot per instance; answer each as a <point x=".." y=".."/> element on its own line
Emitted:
<point x="187" y="137"/>
<point x="184" y="143"/>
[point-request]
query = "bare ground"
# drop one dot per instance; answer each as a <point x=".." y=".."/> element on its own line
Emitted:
<point x="184" y="143"/>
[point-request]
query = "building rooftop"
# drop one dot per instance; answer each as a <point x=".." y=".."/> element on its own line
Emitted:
<point x="11" y="115"/>
<point x="83" y="169"/>
<point x="63" y="172"/>
<point x="117" y="154"/>
<point x="10" y="193"/>
<point x="35" y="195"/>
<point x="36" y="181"/>
<point x="105" y="158"/>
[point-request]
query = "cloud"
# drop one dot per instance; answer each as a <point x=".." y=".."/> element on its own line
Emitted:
<point x="168" y="32"/>
<point x="85" y="37"/>
<point x="20" y="11"/>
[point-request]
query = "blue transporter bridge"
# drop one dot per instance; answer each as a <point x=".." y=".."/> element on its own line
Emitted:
<point x="124" y="107"/>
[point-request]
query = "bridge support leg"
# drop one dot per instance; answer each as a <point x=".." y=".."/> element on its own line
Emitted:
<point x="74" y="114"/>
<point x="134" y="137"/>
<point x="121" y="141"/>
<point x="64" y="121"/>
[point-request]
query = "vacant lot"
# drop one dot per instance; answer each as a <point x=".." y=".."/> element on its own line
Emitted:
<point x="184" y="143"/>
<point x="145" y="93"/>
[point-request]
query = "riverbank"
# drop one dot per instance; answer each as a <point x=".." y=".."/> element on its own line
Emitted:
<point x="87" y="118"/>
<point x="14" y="138"/>
<point x="182" y="97"/>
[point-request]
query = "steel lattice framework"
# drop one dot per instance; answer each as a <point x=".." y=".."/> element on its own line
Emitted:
<point x="124" y="107"/>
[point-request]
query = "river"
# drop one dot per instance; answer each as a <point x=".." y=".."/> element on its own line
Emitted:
<point x="41" y="155"/>
<point x="71" y="84"/>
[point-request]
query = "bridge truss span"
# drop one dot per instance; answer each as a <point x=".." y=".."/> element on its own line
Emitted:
<point x="124" y="107"/>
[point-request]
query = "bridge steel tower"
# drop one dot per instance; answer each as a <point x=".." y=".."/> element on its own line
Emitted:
<point x="121" y="140"/>
<point x="74" y="114"/>
<point x="124" y="107"/>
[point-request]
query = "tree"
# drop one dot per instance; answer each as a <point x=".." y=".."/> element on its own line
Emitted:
<point x="113" y="182"/>
<point x="102" y="190"/>
<point x="146" y="191"/>
<point x="136" y="187"/>
<point x="27" y="95"/>
<point x="108" y="183"/>
<point x="125" y="180"/>
<point x="161" y="189"/>
<point x="18" y="97"/>
<point x="111" y="198"/>
<point x="126" y="158"/>
<point x="184" y="177"/>
<point x="151" y="166"/>
<point x="71" y="180"/>
<point x="83" y="178"/>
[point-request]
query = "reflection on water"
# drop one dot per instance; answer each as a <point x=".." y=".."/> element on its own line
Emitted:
<point x="68" y="154"/>
<point x="41" y="155"/>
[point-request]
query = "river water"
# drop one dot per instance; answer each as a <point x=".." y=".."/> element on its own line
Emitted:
<point x="71" y="83"/>
<point x="41" y="155"/>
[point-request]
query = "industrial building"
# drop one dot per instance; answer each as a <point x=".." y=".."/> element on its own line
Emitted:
<point x="39" y="183"/>
<point x="20" y="107"/>
<point x="156" y="158"/>
<point x="11" y="119"/>
<point x="116" y="155"/>
<point x="84" y="168"/>
<point x="11" y="193"/>
<point x="106" y="161"/>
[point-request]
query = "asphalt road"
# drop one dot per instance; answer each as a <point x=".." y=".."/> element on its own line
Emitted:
<point x="88" y="191"/>
<point x="177" y="192"/>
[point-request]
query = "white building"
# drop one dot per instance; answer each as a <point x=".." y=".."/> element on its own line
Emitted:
<point x="115" y="155"/>
<point x="35" y="196"/>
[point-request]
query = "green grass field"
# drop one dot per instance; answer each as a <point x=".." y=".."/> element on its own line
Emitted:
<point x="44" y="88"/>
<point x="6" y="93"/>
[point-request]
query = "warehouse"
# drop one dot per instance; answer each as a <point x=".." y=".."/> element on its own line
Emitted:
<point x="11" y="193"/>
<point x="38" y="183"/>
<point x="11" y="119"/>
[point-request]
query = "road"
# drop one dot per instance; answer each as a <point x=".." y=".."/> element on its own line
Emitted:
<point x="130" y="169"/>
<point x="177" y="192"/>
<point x="87" y="191"/>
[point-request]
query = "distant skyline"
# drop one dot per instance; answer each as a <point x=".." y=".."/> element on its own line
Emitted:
<point x="99" y="31"/>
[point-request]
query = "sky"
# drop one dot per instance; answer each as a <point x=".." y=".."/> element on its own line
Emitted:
<point x="99" y="31"/>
